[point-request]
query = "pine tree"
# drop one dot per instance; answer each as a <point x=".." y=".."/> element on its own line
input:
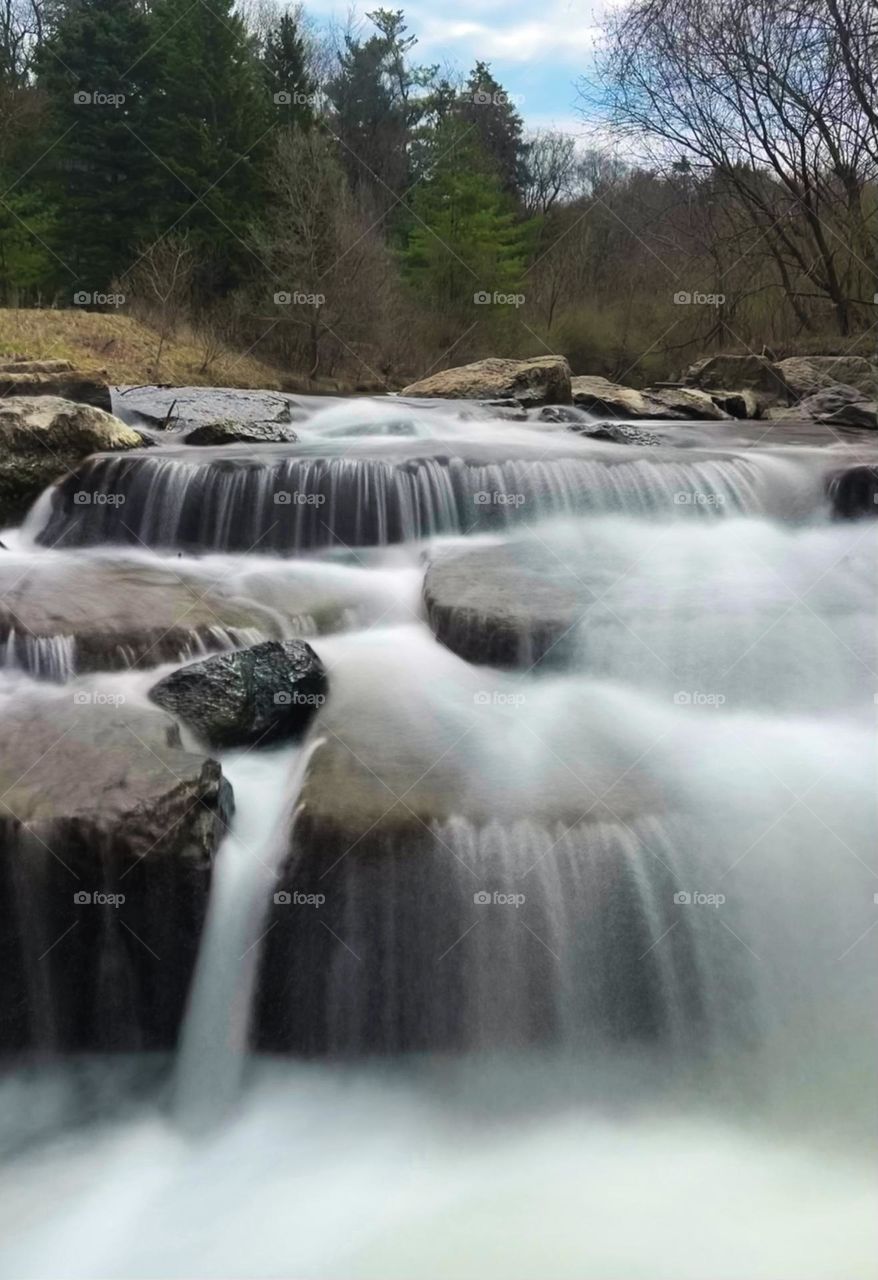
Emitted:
<point x="486" y="107"/>
<point x="285" y="68"/>
<point x="210" y="120"/>
<point x="94" y="73"/>
<point x="465" y="240"/>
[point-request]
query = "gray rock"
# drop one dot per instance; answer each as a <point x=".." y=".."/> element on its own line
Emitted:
<point x="100" y="801"/>
<point x="751" y="372"/>
<point x="600" y="396"/>
<point x="860" y="413"/>
<point x="229" y="432"/>
<point x="541" y="380"/>
<point x="82" y="388"/>
<point x="687" y="402"/>
<point x="836" y="403"/>
<point x="806" y="374"/>
<point x="42" y="438"/>
<point x="262" y="694"/>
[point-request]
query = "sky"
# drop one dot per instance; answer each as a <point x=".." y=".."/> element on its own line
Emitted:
<point x="536" y="51"/>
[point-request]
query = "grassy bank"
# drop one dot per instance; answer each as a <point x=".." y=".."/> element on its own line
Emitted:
<point x="125" y="350"/>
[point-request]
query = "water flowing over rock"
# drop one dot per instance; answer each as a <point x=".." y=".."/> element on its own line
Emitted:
<point x="376" y="493"/>
<point x="541" y="380"/>
<point x="510" y="606"/>
<point x="62" y="616"/>
<point x="45" y="437"/>
<point x="854" y="492"/>
<point x="107" y="830"/>
<point x="263" y="694"/>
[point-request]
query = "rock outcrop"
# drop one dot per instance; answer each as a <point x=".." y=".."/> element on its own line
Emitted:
<point x="263" y="694"/>
<point x="42" y="438"/>
<point x="725" y="373"/>
<point x="541" y="380"/>
<point x="804" y="375"/>
<point x="72" y="384"/>
<point x="602" y="397"/>
<point x="229" y="432"/>
<point x="835" y="405"/>
<point x="107" y="827"/>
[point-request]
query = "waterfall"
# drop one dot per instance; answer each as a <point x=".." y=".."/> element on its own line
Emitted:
<point x="286" y="501"/>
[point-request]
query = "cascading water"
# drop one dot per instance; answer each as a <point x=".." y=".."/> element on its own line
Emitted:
<point x="580" y="952"/>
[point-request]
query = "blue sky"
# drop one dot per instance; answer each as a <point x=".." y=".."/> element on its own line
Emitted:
<point x="537" y="52"/>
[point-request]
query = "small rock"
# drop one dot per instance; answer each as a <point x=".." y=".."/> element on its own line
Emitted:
<point x="262" y="694"/>
<point x="228" y="432"/>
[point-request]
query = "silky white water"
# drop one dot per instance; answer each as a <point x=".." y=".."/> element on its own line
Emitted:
<point x="713" y="736"/>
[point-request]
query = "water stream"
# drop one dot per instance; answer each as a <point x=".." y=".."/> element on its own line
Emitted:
<point x="590" y="990"/>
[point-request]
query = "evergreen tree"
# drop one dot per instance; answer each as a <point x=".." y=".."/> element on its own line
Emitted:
<point x="94" y="73"/>
<point x="210" y="117"/>
<point x="465" y="241"/>
<point x="486" y="107"/>
<point x="285" y="67"/>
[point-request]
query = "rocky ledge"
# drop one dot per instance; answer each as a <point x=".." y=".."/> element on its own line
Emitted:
<point x="108" y="827"/>
<point x="43" y="438"/>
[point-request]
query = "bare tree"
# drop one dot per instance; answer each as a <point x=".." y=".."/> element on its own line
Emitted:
<point x="159" y="285"/>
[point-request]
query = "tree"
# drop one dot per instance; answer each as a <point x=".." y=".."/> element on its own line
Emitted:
<point x="465" y="241"/>
<point x="287" y="73"/>
<point x="486" y="108"/>
<point x="209" y="121"/>
<point x="94" y="75"/>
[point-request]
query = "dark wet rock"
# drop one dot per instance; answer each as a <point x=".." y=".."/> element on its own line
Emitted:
<point x="806" y="374"/>
<point x="854" y="492"/>
<point x="43" y="438"/>
<point x="228" y="432"/>
<point x="744" y="403"/>
<point x="541" y="380"/>
<point x="82" y="388"/>
<point x="60" y="616"/>
<point x="859" y="413"/>
<point x="263" y="694"/>
<point x="509" y="605"/>
<point x="616" y="433"/>
<point x="100" y="803"/>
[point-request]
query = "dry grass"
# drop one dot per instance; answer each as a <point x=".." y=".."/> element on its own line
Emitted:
<point x="124" y="349"/>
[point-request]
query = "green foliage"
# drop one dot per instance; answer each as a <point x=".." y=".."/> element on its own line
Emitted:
<point x="464" y="239"/>
<point x="285" y="68"/>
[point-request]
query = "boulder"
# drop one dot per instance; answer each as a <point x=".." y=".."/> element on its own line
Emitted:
<point x="107" y="827"/>
<point x="263" y="694"/>
<point x="834" y="404"/>
<point x="854" y="492"/>
<point x="688" y="403"/>
<point x="751" y="372"/>
<point x="806" y="374"/>
<point x="228" y="432"/>
<point x="83" y="388"/>
<point x="541" y="380"/>
<point x="744" y="403"/>
<point x="61" y="615"/>
<point x="44" y="437"/>
<point x="509" y="605"/>
<point x="605" y="398"/>
<point x="615" y="433"/>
